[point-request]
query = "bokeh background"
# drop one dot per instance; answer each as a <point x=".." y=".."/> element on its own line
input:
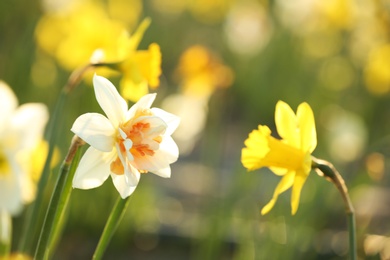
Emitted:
<point x="225" y="64"/>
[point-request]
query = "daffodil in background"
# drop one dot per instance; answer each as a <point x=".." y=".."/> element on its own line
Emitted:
<point x="73" y="34"/>
<point x="126" y="143"/>
<point x="88" y="32"/>
<point x="21" y="132"/>
<point x="377" y="75"/>
<point x="200" y="72"/>
<point x="289" y="157"/>
<point x="140" y="68"/>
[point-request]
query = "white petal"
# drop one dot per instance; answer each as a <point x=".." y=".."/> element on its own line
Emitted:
<point x="170" y="119"/>
<point x="19" y="164"/>
<point x="8" y="103"/>
<point x="29" y="189"/>
<point x="128" y="144"/>
<point x="144" y="103"/>
<point x="157" y="125"/>
<point x="153" y="145"/>
<point x="27" y="125"/>
<point x="151" y="163"/>
<point x="122" y="133"/>
<point x="129" y="156"/>
<point x="93" y="169"/>
<point x="109" y="100"/>
<point x="167" y="154"/>
<point x="163" y="172"/>
<point x="5" y="227"/>
<point x="11" y="192"/>
<point x="121" y="186"/>
<point x="169" y="148"/>
<point x="120" y="155"/>
<point x="132" y="175"/>
<point x="96" y="130"/>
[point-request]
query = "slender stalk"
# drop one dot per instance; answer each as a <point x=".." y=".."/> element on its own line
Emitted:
<point x="33" y="213"/>
<point x="111" y="225"/>
<point x="59" y="219"/>
<point x="56" y="206"/>
<point x="327" y="170"/>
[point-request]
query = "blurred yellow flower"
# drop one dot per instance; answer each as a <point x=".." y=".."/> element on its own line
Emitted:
<point x="209" y="11"/>
<point x="289" y="157"/>
<point x="200" y="72"/>
<point x="126" y="11"/>
<point x="86" y="33"/>
<point x="140" y="68"/>
<point x="38" y="159"/>
<point x="337" y="13"/>
<point x="377" y="70"/>
<point x="73" y="35"/>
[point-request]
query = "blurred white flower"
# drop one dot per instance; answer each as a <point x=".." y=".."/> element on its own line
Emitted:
<point x="5" y="227"/>
<point x="248" y="28"/>
<point x="21" y="131"/>
<point x="346" y="132"/>
<point x="193" y="113"/>
<point x="125" y="143"/>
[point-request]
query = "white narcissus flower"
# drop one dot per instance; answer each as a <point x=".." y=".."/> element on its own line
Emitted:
<point x="125" y="143"/>
<point x="21" y="131"/>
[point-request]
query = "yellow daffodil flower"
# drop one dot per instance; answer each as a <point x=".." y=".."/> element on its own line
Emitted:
<point x="289" y="157"/>
<point x="209" y="11"/>
<point x="140" y="68"/>
<point x="21" y="130"/>
<point x="377" y="74"/>
<point x="200" y="72"/>
<point x="125" y="143"/>
<point x="75" y="33"/>
<point x="85" y="33"/>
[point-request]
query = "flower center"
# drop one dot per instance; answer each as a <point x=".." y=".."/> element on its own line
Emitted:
<point x="283" y="155"/>
<point x="136" y="134"/>
<point x="135" y="141"/>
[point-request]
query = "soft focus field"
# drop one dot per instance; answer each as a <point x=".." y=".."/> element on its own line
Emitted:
<point x="333" y="54"/>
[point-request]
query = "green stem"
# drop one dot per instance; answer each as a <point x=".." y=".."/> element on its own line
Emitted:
<point x="111" y="225"/>
<point x="352" y="235"/>
<point x="30" y="227"/>
<point x="33" y="215"/>
<point x="59" y="219"/>
<point x="57" y="202"/>
<point x="327" y="170"/>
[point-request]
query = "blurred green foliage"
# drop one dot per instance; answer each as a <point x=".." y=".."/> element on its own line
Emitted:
<point x="210" y="207"/>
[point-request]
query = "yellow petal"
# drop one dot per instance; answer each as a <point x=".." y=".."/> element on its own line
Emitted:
<point x="136" y="38"/>
<point x="278" y="171"/>
<point x="307" y="127"/>
<point x="133" y="91"/>
<point x="256" y="148"/>
<point x="38" y="159"/>
<point x="299" y="180"/>
<point x="263" y="150"/>
<point x="286" y="124"/>
<point x="149" y="64"/>
<point x="285" y="183"/>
